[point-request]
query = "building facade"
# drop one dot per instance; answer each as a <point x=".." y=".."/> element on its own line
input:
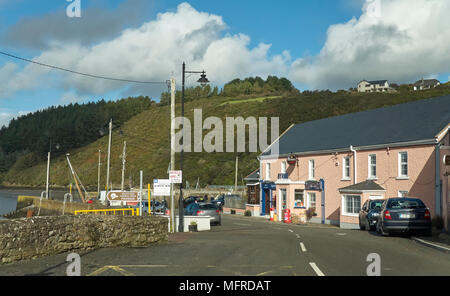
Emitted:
<point x="373" y="86"/>
<point x="335" y="178"/>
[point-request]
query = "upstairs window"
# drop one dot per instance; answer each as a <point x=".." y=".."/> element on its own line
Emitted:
<point x="312" y="170"/>
<point x="346" y="168"/>
<point x="372" y="166"/>
<point x="403" y="164"/>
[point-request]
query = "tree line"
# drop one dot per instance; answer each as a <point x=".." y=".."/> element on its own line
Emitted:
<point x="62" y="128"/>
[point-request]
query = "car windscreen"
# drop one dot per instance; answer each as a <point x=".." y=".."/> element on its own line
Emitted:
<point x="377" y="203"/>
<point x="406" y="204"/>
<point x="208" y="207"/>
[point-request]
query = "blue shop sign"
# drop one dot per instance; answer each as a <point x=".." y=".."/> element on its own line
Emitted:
<point x="269" y="186"/>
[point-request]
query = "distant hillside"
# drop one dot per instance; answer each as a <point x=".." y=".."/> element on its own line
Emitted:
<point x="27" y="139"/>
<point x="148" y="137"/>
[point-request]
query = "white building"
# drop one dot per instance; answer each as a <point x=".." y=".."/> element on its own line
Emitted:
<point x="426" y="84"/>
<point x="373" y="86"/>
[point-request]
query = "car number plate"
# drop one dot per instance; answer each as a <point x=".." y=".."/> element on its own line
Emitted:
<point x="407" y="216"/>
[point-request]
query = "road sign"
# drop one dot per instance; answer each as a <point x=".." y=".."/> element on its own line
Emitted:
<point x="176" y="177"/>
<point x="123" y="196"/>
<point x="161" y="187"/>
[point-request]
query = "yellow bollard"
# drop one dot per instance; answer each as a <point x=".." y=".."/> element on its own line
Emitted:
<point x="149" y="201"/>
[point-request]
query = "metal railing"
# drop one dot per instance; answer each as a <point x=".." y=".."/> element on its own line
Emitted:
<point x="112" y="212"/>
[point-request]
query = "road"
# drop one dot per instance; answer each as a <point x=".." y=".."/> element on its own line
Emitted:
<point x="254" y="247"/>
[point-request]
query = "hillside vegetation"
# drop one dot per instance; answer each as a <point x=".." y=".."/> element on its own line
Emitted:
<point x="148" y="136"/>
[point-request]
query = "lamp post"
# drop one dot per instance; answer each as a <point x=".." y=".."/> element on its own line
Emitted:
<point x="57" y="146"/>
<point x="203" y="81"/>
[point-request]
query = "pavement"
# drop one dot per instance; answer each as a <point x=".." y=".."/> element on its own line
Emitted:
<point x="245" y="246"/>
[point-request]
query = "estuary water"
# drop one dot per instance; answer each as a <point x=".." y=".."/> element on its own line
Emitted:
<point x="8" y="201"/>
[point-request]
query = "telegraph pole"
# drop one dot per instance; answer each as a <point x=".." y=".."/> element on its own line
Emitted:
<point x="172" y="153"/>
<point x="124" y="162"/>
<point x="99" y="165"/>
<point x="109" y="156"/>
<point x="236" y="176"/>
<point x="48" y="174"/>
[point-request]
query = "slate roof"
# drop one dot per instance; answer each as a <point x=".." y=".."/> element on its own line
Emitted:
<point x="416" y="121"/>
<point x="253" y="176"/>
<point x="368" y="185"/>
<point x="380" y="82"/>
<point x="427" y="82"/>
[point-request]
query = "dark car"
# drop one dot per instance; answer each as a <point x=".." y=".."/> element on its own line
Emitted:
<point x="369" y="214"/>
<point x="404" y="215"/>
<point x="190" y="200"/>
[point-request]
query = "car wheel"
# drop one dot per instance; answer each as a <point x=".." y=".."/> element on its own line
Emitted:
<point x="361" y="227"/>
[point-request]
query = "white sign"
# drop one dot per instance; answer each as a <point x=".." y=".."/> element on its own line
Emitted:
<point x="176" y="177"/>
<point x="161" y="187"/>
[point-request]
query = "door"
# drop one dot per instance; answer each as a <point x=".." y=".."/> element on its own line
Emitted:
<point x="282" y="205"/>
<point x="267" y="201"/>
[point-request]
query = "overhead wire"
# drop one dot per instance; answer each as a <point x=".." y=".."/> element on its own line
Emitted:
<point x="81" y="73"/>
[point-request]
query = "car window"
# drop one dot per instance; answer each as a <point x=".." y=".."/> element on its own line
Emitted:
<point x="406" y="204"/>
<point x="208" y="207"/>
<point x="375" y="204"/>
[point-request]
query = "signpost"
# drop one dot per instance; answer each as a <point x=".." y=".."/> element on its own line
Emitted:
<point x="161" y="187"/>
<point x="121" y="197"/>
<point x="176" y="177"/>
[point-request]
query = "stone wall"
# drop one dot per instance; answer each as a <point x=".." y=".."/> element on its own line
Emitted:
<point x="35" y="237"/>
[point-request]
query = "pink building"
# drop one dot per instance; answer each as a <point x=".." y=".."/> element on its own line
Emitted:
<point x="334" y="165"/>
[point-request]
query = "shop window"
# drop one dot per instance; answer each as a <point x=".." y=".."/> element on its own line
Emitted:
<point x="299" y="198"/>
<point x="311" y="200"/>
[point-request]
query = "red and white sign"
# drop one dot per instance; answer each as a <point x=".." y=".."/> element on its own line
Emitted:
<point x="176" y="177"/>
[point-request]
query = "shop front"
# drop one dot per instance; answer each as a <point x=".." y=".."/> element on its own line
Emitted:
<point x="267" y="197"/>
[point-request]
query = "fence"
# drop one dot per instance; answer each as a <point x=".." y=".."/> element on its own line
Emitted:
<point x="112" y="212"/>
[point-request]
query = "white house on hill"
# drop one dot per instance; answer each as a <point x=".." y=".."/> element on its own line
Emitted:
<point x="373" y="86"/>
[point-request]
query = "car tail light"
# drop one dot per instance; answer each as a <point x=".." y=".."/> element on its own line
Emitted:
<point x="427" y="214"/>
<point x="200" y="212"/>
<point x="387" y="215"/>
<point x="218" y="211"/>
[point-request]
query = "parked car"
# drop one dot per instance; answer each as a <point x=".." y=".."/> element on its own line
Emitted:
<point x="404" y="215"/>
<point x="369" y="214"/>
<point x="209" y="209"/>
<point x="190" y="200"/>
<point x="191" y="209"/>
<point x="219" y="201"/>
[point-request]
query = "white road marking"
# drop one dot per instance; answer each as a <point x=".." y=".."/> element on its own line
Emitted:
<point x="316" y="269"/>
<point x="290" y="230"/>
<point x="298" y="236"/>
<point x="303" y="247"/>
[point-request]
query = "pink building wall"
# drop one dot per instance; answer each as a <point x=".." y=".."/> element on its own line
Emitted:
<point x="420" y="182"/>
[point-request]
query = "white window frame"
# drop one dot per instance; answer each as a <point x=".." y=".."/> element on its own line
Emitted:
<point x="308" y="201"/>
<point x="283" y="167"/>
<point x="312" y="170"/>
<point x="346" y="166"/>
<point x="370" y="165"/>
<point x="344" y="205"/>
<point x="268" y="171"/>
<point x="297" y="192"/>
<point x="400" y="164"/>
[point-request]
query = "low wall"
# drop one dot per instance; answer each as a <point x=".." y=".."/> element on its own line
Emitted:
<point x="203" y="222"/>
<point x="35" y="237"/>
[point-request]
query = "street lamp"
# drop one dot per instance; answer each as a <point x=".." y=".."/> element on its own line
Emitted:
<point x="203" y="81"/>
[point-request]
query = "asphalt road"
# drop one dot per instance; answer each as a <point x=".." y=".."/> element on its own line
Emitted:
<point x="254" y="247"/>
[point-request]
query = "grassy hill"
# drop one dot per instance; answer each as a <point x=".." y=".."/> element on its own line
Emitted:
<point x="148" y="138"/>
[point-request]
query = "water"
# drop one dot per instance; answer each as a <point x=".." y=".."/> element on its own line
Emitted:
<point x="8" y="202"/>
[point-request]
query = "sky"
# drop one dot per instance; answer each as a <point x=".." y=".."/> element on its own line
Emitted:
<point x="318" y="44"/>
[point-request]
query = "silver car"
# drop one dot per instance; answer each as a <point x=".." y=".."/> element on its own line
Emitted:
<point x="209" y="209"/>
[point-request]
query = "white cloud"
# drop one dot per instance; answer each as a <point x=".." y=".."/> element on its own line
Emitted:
<point x="154" y="51"/>
<point x="410" y="40"/>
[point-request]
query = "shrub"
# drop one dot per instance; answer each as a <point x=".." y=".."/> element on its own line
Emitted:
<point x="193" y="223"/>
<point x="438" y="222"/>
<point x="248" y="213"/>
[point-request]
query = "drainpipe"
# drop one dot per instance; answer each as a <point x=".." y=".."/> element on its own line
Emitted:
<point x="354" y="164"/>
<point x="437" y="188"/>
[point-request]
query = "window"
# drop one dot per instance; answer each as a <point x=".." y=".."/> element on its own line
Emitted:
<point x="403" y="194"/>
<point x="267" y="171"/>
<point x="283" y="167"/>
<point x="372" y="166"/>
<point x="351" y="205"/>
<point x="346" y="168"/>
<point x="403" y="165"/>
<point x="311" y="200"/>
<point x="312" y="173"/>
<point x="299" y="198"/>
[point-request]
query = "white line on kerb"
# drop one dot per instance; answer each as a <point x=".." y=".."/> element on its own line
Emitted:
<point x="316" y="269"/>
<point x="303" y="247"/>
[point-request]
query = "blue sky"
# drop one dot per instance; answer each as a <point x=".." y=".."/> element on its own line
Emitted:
<point x="318" y="44"/>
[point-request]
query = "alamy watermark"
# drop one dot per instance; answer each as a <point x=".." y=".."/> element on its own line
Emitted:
<point x="74" y="267"/>
<point x="374" y="268"/>
<point x="373" y="8"/>
<point x="222" y="135"/>
<point x="74" y="8"/>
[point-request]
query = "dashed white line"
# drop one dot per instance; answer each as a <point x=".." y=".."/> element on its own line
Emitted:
<point x="290" y="230"/>
<point x="316" y="269"/>
<point x="302" y="246"/>
<point x="298" y="236"/>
